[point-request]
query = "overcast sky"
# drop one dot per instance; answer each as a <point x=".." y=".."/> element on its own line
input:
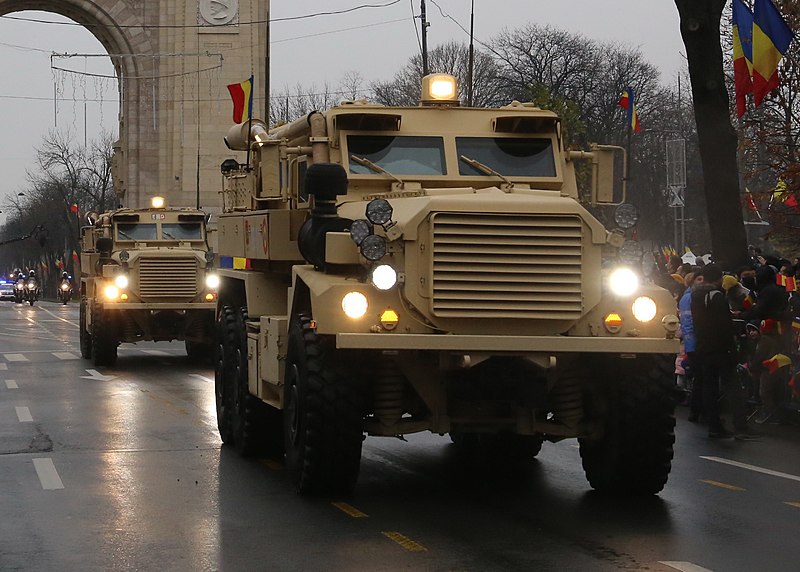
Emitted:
<point x="375" y="42"/>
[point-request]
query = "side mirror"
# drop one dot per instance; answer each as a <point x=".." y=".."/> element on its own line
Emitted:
<point x="605" y="161"/>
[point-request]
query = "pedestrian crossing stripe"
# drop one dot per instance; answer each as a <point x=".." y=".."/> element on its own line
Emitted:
<point x="15" y="357"/>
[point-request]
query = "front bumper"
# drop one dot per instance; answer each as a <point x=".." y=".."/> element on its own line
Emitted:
<point x="158" y="306"/>
<point x="508" y="344"/>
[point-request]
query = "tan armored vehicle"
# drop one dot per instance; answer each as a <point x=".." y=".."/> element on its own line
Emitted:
<point x="146" y="275"/>
<point x="431" y="268"/>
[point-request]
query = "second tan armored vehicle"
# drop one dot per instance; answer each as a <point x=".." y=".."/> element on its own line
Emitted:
<point x="432" y="268"/>
<point x="146" y="275"/>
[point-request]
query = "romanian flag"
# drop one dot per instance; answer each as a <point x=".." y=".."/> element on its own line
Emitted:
<point x="776" y="362"/>
<point x="771" y="39"/>
<point x="242" y="96"/>
<point x="626" y="101"/>
<point x="742" y="54"/>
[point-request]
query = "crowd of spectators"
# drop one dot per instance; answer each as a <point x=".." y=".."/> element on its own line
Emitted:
<point x="739" y="341"/>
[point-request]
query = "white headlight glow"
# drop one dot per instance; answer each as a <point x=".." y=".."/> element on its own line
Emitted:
<point x="644" y="309"/>
<point x="111" y="292"/>
<point x="623" y="282"/>
<point x="121" y="281"/>
<point x="384" y="277"/>
<point x="354" y="305"/>
<point x="212" y="281"/>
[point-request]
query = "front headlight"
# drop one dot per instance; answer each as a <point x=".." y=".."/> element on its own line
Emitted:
<point x="212" y="281"/>
<point x="623" y="282"/>
<point x="384" y="277"/>
<point x="644" y="308"/>
<point x="31" y="285"/>
<point x="111" y="292"/>
<point x="121" y="281"/>
<point x="65" y="287"/>
<point x="354" y="305"/>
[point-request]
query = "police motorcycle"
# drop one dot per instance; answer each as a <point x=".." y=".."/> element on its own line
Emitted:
<point x="65" y="288"/>
<point x="19" y="286"/>
<point x="31" y="288"/>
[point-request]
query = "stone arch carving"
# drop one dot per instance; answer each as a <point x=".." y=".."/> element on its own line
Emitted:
<point x="109" y="22"/>
<point x="156" y="154"/>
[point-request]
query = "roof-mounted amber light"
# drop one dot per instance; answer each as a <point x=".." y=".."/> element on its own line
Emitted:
<point x="439" y="88"/>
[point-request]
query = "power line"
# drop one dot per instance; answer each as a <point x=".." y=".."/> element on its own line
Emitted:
<point x="171" y="26"/>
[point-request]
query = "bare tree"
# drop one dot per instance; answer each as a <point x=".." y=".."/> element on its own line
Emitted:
<point x="451" y="58"/>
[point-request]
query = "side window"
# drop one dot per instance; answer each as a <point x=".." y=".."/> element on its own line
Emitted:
<point x="297" y="169"/>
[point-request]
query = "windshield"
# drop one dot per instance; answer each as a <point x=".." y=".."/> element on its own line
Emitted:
<point x="509" y="156"/>
<point x="398" y="155"/>
<point x="182" y="231"/>
<point x="136" y="231"/>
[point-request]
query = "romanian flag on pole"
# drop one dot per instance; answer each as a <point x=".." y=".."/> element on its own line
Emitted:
<point x="242" y="96"/>
<point x="776" y="362"/>
<point x="771" y="39"/>
<point x="742" y="54"/>
<point x="627" y="102"/>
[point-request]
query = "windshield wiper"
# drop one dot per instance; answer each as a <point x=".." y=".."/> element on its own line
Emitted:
<point x="363" y="161"/>
<point x="485" y="169"/>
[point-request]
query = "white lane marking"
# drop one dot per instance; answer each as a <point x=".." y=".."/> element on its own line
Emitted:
<point x="155" y="352"/>
<point x="65" y="355"/>
<point x="201" y="377"/>
<point x="3" y="367"/>
<point x="94" y="374"/>
<point x="15" y="357"/>
<point x="47" y="473"/>
<point x="684" y="566"/>
<point x="11" y="384"/>
<point x="24" y="414"/>
<point x="57" y="317"/>
<point x="752" y="468"/>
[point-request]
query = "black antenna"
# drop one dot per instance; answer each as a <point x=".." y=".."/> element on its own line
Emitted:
<point x="424" y="38"/>
<point x="471" y="53"/>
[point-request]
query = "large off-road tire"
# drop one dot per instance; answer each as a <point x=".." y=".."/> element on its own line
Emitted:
<point x="104" y="338"/>
<point x="323" y="418"/>
<point x="633" y="400"/>
<point x="224" y="336"/>
<point x="250" y="425"/>
<point x="85" y="336"/>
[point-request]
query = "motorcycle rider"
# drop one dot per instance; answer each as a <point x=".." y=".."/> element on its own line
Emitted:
<point x="65" y="288"/>
<point x="32" y="287"/>
<point x="19" y="285"/>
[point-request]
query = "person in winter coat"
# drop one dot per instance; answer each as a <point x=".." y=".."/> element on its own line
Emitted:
<point x="691" y="371"/>
<point x="715" y="350"/>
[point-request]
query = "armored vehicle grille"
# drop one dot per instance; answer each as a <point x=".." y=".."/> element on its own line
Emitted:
<point x="507" y="266"/>
<point x="167" y="277"/>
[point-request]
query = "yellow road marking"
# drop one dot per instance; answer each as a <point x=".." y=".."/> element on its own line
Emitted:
<point x="348" y="509"/>
<point x="405" y="542"/>
<point x="272" y="464"/>
<point x="722" y="485"/>
<point x="797" y="504"/>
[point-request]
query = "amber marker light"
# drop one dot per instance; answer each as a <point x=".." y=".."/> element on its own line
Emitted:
<point x="124" y="297"/>
<point x="613" y="322"/>
<point x="389" y="319"/>
<point x="210" y="297"/>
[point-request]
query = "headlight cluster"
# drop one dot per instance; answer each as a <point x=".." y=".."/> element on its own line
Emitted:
<point x="373" y="247"/>
<point x="212" y="281"/>
<point x="624" y="283"/>
<point x="31" y="285"/>
<point x="65" y="287"/>
<point x="115" y="290"/>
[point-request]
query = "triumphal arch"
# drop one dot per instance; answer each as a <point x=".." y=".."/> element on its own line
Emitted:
<point x="173" y="60"/>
